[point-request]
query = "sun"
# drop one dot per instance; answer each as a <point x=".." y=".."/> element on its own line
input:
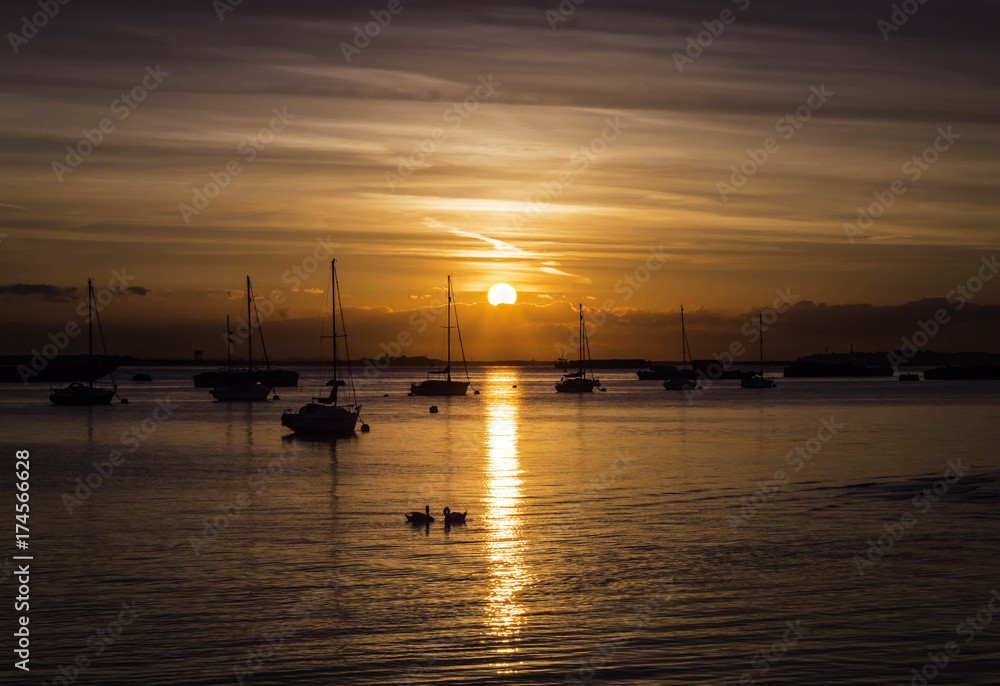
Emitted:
<point x="502" y="294"/>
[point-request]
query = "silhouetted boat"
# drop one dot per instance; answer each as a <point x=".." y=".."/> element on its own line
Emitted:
<point x="579" y="382"/>
<point x="446" y="386"/>
<point x="758" y="380"/>
<point x="79" y="394"/>
<point x="243" y="387"/>
<point x="981" y="372"/>
<point x="270" y="377"/>
<point x="326" y="415"/>
<point x="684" y="379"/>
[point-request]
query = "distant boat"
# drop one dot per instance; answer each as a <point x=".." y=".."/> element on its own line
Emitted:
<point x="324" y="415"/>
<point x="684" y="379"/>
<point x="657" y="372"/>
<point x="446" y="386"/>
<point x="243" y="387"/>
<point x="759" y="380"/>
<point x="229" y="376"/>
<point x="579" y="382"/>
<point x="79" y="394"/>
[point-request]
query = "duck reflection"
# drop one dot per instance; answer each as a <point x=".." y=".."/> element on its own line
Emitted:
<point x="503" y="518"/>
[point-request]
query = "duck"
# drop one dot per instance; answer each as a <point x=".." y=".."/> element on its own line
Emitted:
<point x="420" y="517"/>
<point x="454" y="517"/>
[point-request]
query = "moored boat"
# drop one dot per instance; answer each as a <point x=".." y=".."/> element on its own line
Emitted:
<point x="579" y="382"/>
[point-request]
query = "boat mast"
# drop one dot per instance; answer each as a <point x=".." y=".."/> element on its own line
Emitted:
<point x="580" y="336"/>
<point x="250" y="328"/>
<point x="684" y="340"/>
<point x="90" y="324"/>
<point x="449" y="328"/>
<point x="760" y="325"/>
<point x="229" y="345"/>
<point x="333" y="317"/>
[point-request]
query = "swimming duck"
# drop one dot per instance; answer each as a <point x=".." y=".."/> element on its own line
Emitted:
<point x="420" y="517"/>
<point x="454" y="517"/>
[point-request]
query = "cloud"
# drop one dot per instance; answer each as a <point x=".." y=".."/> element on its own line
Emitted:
<point x="544" y="296"/>
<point x="56" y="294"/>
<point x="138" y="290"/>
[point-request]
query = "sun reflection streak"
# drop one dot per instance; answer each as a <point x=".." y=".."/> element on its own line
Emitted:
<point x="505" y="542"/>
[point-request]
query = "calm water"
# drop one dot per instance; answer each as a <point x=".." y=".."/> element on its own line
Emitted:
<point x="605" y="544"/>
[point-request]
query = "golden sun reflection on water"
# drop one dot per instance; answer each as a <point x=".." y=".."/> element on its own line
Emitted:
<point x="503" y="518"/>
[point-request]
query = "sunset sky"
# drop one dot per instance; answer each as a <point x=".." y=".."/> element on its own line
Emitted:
<point x="561" y="152"/>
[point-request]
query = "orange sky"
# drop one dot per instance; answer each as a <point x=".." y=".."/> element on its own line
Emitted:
<point x="557" y="160"/>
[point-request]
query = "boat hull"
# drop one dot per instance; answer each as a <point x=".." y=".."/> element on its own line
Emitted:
<point x="273" y="378"/>
<point x="679" y="383"/>
<point x="577" y="385"/>
<point x="316" y="419"/>
<point x="757" y="382"/>
<point x="439" y="387"/>
<point x="78" y="395"/>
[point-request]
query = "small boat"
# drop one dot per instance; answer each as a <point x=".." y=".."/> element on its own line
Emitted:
<point x="420" y="517"/>
<point x="325" y="415"/>
<point x="756" y="380"/>
<point x="78" y="394"/>
<point x="446" y="386"/>
<point x="909" y="377"/>
<point x="684" y="379"/>
<point x="243" y="387"/>
<point x="578" y="381"/>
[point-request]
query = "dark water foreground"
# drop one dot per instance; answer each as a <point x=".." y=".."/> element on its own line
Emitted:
<point x="824" y="532"/>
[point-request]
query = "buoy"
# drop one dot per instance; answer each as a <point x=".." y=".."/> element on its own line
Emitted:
<point x="277" y="397"/>
<point x="409" y="395"/>
<point x="124" y="401"/>
<point x="365" y="428"/>
<point x="475" y="393"/>
<point x="385" y="395"/>
<point x="434" y="409"/>
<point x="604" y="390"/>
<point x="514" y="386"/>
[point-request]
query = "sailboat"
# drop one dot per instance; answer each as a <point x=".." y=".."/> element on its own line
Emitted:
<point x="684" y="378"/>
<point x="246" y="387"/>
<point x="327" y="415"/>
<point x="87" y="394"/>
<point x="446" y="386"/>
<point x="579" y="382"/>
<point x="756" y="380"/>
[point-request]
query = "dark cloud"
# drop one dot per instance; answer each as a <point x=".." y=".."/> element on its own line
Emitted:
<point x="137" y="290"/>
<point x="56" y="294"/>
